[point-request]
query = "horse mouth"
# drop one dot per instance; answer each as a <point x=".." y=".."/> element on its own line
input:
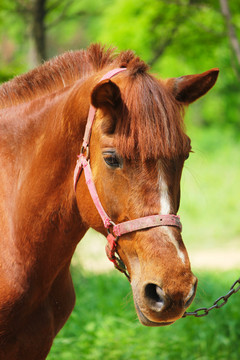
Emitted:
<point x="145" y="321"/>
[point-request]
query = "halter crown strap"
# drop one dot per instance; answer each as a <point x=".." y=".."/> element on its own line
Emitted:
<point x="92" y="109"/>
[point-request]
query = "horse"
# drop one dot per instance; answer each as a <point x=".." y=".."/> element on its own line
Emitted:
<point x="136" y="144"/>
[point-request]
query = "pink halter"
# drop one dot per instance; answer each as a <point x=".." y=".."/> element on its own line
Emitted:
<point x="83" y="162"/>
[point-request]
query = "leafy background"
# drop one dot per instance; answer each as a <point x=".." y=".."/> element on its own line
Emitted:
<point x="176" y="37"/>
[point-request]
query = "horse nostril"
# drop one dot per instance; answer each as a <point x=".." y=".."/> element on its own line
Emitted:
<point x="155" y="297"/>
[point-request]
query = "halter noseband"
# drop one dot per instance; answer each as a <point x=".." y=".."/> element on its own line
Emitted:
<point x="117" y="230"/>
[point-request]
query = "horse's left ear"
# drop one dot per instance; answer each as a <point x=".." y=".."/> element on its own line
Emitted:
<point x="106" y="94"/>
<point x="189" y="88"/>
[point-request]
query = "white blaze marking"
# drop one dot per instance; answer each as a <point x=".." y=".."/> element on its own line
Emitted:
<point x="171" y="238"/>
<point x="165" y="210"/>
<point x="164" y="196"/>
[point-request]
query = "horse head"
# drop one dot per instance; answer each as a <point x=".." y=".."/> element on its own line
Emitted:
<point x="137" y="150"/>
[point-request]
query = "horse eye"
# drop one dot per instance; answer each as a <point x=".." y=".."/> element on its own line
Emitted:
<point x="112" y="160"/>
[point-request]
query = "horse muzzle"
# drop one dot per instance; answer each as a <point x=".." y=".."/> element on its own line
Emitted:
<point x="156" y="307"/>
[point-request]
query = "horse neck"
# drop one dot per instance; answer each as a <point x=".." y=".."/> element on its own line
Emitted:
<point x="47" y="142"/>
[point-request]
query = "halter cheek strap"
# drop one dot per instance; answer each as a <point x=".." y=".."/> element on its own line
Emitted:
<point x="126" y="227"/>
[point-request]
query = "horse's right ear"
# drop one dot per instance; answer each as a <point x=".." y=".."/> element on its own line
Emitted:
<point x="187" y="89"/>
<point x="106" y="94"/>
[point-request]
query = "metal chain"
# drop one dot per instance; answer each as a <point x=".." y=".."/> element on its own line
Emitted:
<point x="221" y="301"/>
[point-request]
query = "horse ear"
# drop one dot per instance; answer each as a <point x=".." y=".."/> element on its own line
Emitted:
<point x="106" y="94"/>
<point x="187" y="89"/>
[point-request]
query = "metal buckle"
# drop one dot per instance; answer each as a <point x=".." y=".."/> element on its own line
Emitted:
<point x="112" y="224"/>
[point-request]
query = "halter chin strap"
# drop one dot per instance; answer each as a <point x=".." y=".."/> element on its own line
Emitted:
<point x="114" y="231"/>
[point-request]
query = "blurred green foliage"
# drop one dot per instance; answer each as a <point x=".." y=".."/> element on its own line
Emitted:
<point x="210" y="204"/>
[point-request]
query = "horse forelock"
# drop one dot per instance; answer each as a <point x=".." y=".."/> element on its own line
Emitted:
<point x="151" y="123"/>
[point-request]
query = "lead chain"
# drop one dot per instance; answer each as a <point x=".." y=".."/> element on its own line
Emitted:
<point x="220" y="302"/>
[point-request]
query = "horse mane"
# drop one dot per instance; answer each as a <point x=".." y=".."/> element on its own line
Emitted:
<point x="60" y="72"/>
<point x="54" y="74"/>
<point x="151" y="123"/>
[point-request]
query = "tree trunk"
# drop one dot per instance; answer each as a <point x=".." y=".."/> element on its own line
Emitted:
<point x="231" y="29"/>
<point x="38" y="29"/>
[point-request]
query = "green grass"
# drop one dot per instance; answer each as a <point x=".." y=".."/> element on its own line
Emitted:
<point x="104" y="325"/>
